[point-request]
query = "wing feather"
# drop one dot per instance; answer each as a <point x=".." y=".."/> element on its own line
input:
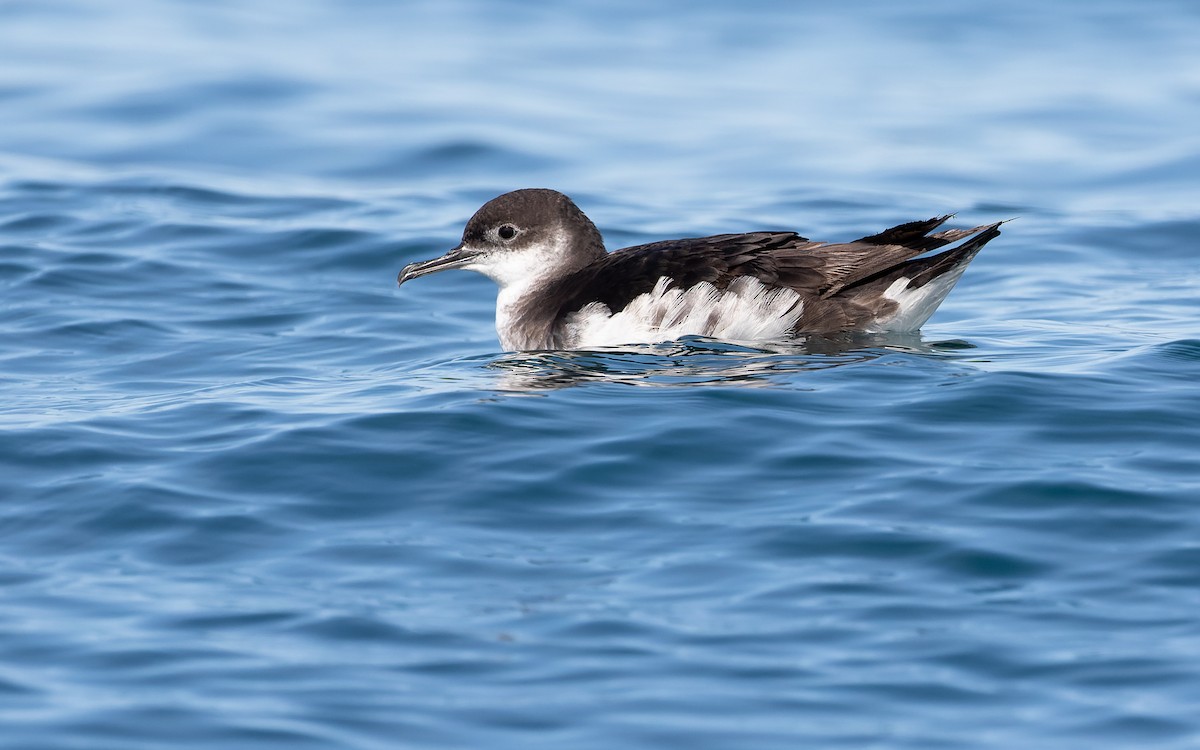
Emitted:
<point x="821" y="273"/>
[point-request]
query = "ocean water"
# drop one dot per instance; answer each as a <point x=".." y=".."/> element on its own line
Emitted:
<point x="252" y="495"/>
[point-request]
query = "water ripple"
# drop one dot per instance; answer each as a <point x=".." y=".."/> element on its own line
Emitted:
<point x="254" y="496"/>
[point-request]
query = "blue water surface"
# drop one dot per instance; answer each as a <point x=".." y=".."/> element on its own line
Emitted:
<point x="254" y="496"/>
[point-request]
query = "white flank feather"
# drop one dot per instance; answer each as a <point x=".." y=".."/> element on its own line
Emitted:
<point x="745" y="311"/>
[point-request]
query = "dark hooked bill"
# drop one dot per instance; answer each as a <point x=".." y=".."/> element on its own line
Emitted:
<point x="456" y="258"/>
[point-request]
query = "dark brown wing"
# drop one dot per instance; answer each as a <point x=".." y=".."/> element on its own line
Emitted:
<point x="853" y="262"/>
<point x="823" y="274"/>
<point x="621" y="276"/>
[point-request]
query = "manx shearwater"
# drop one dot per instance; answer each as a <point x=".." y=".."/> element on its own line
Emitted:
<point x="560" y="289"/>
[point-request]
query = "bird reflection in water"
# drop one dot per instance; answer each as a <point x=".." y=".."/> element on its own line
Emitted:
<point x="697" y="361"/>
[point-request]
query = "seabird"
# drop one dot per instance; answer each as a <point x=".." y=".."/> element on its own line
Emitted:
<point x="560" y="289"/>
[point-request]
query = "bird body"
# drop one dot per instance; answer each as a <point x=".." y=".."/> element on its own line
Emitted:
<point x="560" y="289"/>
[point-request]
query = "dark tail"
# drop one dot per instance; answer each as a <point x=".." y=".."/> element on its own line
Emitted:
<point x="921" y="271"/>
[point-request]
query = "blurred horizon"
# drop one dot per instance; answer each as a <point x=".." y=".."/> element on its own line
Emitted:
<point x="430" y="96"/>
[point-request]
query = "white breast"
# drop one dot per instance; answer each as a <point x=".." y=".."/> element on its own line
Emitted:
<point x="744" y="311"/>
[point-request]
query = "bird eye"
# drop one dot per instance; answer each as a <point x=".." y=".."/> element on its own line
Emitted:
<point x="506" y="231"/>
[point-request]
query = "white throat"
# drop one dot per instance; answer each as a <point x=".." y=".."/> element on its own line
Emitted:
<point x="519" y="272"/>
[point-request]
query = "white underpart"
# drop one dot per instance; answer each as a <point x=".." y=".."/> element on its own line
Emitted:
<point x="745" y="311"/>
<point x="916" y="305"/>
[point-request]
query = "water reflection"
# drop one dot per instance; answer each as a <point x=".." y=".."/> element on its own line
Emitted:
<point x="695" y="361"/>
